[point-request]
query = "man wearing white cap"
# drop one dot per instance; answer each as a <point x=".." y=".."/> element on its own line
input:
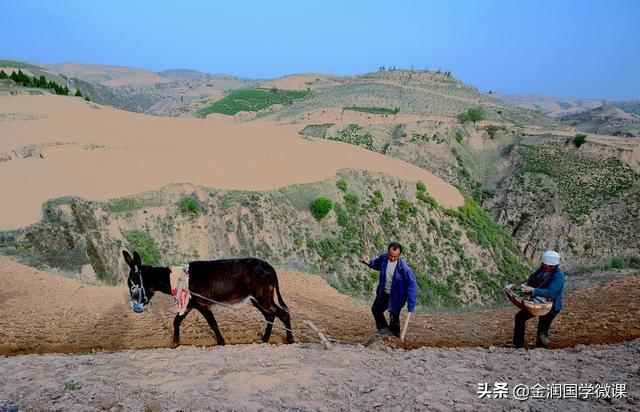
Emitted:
<point x="547" y="281"/>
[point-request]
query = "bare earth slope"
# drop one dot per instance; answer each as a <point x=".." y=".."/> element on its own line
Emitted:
<point x="44" y="312"/>
<point x="261" y="377"/>
<point x="59" y="146"/>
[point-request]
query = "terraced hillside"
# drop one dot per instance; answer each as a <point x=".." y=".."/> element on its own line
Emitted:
<point x="411" y="93"/>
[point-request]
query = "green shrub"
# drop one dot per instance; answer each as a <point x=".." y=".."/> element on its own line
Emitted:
<point x="376" y="199"/>
<point x="144" y="244"/>
<point x="342" y="185"/>
<point x="321" y="207"/>
<point x="351" y="200"/>
<point x="618" y="262"/>
<point x="428" y="199"/>
<point x="492" y="130"/>
<point x="188" y="206"/>
<point x="298" y="240"/>
<point x="70" y="385"/>
<point x="405" y="208"/>
<point x="579" y="139"/>
<point x="420" y="187"/>
<point x="459" y="136"/>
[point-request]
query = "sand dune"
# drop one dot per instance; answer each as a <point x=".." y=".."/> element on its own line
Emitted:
<point x="99" y="152"/>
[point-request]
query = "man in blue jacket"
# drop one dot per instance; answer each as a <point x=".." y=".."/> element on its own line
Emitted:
<point x="397" y="286"/>
<point x="547" y="281"/>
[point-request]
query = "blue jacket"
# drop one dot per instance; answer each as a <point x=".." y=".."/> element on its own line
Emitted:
<point x="403" y="285"/>
<point x="549" y="286"/>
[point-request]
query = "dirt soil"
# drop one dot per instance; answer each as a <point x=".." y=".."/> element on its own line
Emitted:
<point x="45" y="312"/>
<point x="301" y="378"/>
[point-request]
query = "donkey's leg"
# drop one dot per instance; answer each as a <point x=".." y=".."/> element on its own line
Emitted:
<point x="176" y="326"/>
<point x="208" y="315"/>
<point x="270" y="317"/>
<point x="284" y="316"/>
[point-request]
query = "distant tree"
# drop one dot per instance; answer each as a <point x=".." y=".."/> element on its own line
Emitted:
<point x="87" y="98"/>
<point x="273" y="90"/>
<point x="3" y="75"/>
<point x="473" y="114"/>
<point x="78" y="93"/>
<point x="579" y="139"/>
<point x="491" y="129"/>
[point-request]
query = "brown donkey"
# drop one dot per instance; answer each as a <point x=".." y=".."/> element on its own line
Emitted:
<point x="228" y="281"/>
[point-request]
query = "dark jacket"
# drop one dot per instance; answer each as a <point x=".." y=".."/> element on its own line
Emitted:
<point x="548" y="285"/>
<point x="403" y="285"/>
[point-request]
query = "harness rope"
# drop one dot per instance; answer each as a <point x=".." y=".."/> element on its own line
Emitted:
<point x="247" y="316"/>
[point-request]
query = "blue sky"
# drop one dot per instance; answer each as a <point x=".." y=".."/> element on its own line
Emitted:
<point x="581" y="49"/>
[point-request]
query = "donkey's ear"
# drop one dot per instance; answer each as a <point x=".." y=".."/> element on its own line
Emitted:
<point x="137" y="259"/>
<point x="128" y="258"/>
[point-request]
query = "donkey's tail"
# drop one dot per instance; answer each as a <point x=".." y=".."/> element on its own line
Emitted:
<point x="280" y="300"/>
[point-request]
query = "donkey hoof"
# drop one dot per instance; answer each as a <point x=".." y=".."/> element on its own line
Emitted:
<point x="174" y="344"/>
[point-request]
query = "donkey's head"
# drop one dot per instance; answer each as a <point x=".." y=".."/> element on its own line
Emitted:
<point x="139" y="293"/>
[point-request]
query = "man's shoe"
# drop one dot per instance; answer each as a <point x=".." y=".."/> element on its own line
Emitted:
<point x="542" y="342"/>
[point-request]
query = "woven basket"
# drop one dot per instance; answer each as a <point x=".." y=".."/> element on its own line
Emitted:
<point x="532" y="307"/>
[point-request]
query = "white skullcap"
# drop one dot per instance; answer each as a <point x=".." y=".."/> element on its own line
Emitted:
<point x="551" y="258"/>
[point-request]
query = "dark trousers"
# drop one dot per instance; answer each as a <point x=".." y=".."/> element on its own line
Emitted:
<point x="544" y="323"/>
<point x="379" y="306"/>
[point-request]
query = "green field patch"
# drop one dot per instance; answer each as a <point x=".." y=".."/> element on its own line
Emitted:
<point x="251" y="100"/>
<point x="373" y="110"/>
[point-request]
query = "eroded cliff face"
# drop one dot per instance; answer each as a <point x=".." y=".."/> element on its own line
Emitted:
<point x="583" y="202"/>
<point x="460" y="257"/>
<point x="546" y="192"/>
